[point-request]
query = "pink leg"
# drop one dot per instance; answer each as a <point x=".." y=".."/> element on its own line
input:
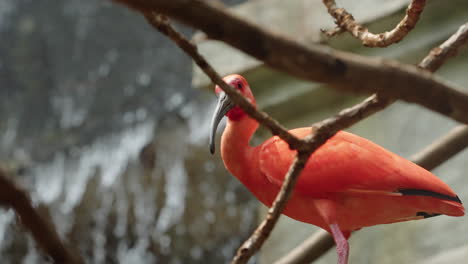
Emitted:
<point x="342" y="247"/>
<point x="327" y="210"/>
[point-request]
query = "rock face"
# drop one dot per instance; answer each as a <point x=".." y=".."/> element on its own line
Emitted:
<point x="100" y="124"/>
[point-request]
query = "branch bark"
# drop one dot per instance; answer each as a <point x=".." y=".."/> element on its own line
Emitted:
<point x="449" y="48"/>
<point x="345" y="21"/>
<point x="43" y="231"/>
<point x="342" y="70"/>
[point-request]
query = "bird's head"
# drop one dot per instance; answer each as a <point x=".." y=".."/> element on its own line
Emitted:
<point x="226" y="107"/>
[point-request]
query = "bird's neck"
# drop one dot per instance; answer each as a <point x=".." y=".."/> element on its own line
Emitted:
<point x="236" y="151"/>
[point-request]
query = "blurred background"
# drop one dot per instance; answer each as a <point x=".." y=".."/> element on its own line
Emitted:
<point x="105" y="123"/>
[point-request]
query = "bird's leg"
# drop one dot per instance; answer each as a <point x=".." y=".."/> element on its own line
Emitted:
<point x="342" y="246"/>
<point x="327" y="210"/>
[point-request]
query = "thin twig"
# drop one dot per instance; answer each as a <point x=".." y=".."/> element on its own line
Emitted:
<point x="43" y="231"/>
<point x="341" y="70"/>
<point x="333" y="32"/>
<point x="449" y="48"/>
<point x="346" y="21"/>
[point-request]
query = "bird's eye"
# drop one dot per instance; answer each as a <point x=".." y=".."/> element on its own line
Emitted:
<point x="239" y="85"/>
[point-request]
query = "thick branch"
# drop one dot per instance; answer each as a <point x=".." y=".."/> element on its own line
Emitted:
<point x="342" y="70"/>
<point x="43" y="231"/>
<point x="346" y="21"/>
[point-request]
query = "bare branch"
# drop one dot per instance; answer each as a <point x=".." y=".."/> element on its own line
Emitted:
<point x="443" y="148"/>
<point x="341" y="70"/>
<point x="356" y="113"/>
<point x="43" y="231"/>
<point x="309" y="250"/>
<point x="346" y="21"/>
<point x="449" y="48"/>
<point x="333" y="32"/>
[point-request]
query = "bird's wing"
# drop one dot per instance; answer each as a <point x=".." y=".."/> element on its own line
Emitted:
<point x="349" y="163"/>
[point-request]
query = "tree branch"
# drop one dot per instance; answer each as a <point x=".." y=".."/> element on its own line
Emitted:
<point x="443" y="148"/>
<point x="449" y="48"/>
<point x="43" y="231"/>
<point x="346" y="21"/>
<point x="342" y="70"/>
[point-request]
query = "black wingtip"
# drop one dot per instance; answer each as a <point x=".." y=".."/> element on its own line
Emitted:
<point x="426" y="215"/>
<point x="418" y="192"/>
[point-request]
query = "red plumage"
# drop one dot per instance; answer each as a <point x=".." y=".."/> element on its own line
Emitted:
<point x="347" y="184"/>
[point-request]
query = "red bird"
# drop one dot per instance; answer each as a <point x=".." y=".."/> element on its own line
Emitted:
<point x="347" y="184"/>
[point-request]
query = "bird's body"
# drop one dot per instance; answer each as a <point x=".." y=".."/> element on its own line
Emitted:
<point x="362" y="178"/>
<point x="347" y="184"/>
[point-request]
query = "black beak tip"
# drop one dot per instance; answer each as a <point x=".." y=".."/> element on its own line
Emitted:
<point x="212" y="149"/>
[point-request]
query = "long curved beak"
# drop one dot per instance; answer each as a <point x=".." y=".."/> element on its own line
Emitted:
<point x="224" y="105"/>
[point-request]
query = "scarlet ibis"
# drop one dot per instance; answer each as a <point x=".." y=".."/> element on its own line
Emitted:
<point x="348" y="183"/>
